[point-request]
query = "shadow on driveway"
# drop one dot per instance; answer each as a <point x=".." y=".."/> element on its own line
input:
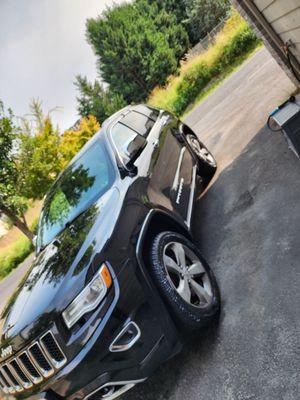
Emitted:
<point x="248" y="227"/>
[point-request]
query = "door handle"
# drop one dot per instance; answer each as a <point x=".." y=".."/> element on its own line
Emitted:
<point x="156" y="143"/>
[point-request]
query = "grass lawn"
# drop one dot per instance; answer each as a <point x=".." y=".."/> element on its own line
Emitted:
<point x="14" y="246"/>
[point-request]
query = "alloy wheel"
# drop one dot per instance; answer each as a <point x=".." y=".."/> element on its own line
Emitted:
<point x="201" y="151"/>
<point x="187" y="274"/>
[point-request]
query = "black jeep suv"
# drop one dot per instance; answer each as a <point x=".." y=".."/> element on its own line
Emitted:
<point x="116" y="274"/>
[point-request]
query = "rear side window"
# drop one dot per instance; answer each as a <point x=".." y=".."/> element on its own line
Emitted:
<point x="148" y="111"/>
<point x="138" y="122"/>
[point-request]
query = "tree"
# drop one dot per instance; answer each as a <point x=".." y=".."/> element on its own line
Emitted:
<point x="74" y="139"/>
<point x="12" y="204"/>
<point x="176" y="7"/>
<point x="203" y="16"/>
<point x="39" y="160"/>
<point x="138" y="45"/>
<point x="97" y="101"/>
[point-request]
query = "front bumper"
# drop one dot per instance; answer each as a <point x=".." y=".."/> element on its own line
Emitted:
<point x="95" y="365"/>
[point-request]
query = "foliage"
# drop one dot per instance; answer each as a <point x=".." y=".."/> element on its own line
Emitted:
<point x="94" y="100"/>
<point x="39" y="160"/>
<point x="16" y="253"/>
<point x="176" y="7"/>
<point x="236" y="39"/>
<point x="9" y="172"/>
<point x="74" y="139"/>
<point x="198" y="17"/>
<point x="203" y="16"/>
<point x="137" y="45"/>
<point x="31" y="157"/>
<point x="12" y="202"/>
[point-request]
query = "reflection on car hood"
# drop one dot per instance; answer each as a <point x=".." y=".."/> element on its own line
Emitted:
<point x="63" y="266"/>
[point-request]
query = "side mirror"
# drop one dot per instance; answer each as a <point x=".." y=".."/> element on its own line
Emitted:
<point x="134" y="150"/>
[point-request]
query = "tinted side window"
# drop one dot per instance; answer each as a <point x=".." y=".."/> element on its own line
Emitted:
<point x="123" y="137"/>
<point x="138" y="122"/>
<point x="148" y="111"/>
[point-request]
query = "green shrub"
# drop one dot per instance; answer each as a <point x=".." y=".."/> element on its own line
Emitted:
<point x="244" y="40"/>
<point x="191" y="84"/>
<point x="16" y="254"/>
<point x="197" y="78"/>
<point x="231" y="45"/>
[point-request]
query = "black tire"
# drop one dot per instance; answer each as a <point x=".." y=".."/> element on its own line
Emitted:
<point x="188" y="316"/>
<point x="205" y="169"/>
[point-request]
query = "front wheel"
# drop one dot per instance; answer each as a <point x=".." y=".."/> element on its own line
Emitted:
<point x="206" y="162"/>
<point x="185" y="280"/>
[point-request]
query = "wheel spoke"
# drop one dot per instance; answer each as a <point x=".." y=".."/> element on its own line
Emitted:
<point x="184" y="290"/>
<point x="179" y="254"/>
<point x="186" y="274"/>
<point x="171" y="264"/>
<point x="196" y="268"/>
<point x="200" y="292"/>
<point x="207" y="288"/>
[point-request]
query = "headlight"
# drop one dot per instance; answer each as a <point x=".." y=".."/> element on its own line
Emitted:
<point x="89" y="298"/>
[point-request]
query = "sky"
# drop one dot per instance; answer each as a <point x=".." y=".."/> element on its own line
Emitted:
<point x="42" y="48"/>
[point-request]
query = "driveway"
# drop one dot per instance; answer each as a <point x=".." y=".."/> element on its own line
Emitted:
<point x="248" y="227"/>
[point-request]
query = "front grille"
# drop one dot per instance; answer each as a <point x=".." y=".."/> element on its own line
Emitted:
<point x="21" y="374"/>
<point x="52" y="349"/>
<point x="30" y="367"/>
<point x="41" y="360"/>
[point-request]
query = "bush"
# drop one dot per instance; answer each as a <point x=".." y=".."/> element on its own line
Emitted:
<point x="14" y="256"/>
<point x="234" y="41"/>
<point x="17" y="252"/>
<point x="244" y="40"/>
<point x="190" y="86"/>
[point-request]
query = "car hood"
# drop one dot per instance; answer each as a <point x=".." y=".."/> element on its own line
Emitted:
<point x="58" y="274"/>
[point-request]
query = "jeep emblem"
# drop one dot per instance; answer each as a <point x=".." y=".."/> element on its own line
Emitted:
<point x="7" y="351"/>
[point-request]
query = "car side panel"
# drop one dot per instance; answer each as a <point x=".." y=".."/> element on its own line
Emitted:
<point x="170" y="168"/>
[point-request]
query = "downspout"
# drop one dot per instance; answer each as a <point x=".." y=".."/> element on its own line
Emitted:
<point x="270" y="37"/>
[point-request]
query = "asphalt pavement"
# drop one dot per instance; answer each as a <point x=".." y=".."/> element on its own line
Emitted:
<point x="248" y="227"/>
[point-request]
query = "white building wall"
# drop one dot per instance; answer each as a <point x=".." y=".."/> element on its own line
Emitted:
<point x="284" y="18"/>
<point x="276" y="22"/>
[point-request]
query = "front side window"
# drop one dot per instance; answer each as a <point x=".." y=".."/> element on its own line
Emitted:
<point x="79" y="186"/>
<point x="124" y="139"/>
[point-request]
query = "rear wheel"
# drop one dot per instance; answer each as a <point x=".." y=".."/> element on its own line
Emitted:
<point x="206" y="161"/>
<point x="185" y="280"/>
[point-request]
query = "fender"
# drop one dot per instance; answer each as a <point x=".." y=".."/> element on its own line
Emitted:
<point x="155" y="300"/>
<point x="174" y="220"/>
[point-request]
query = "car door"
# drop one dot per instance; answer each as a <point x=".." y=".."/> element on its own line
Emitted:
<point x="172" y="172"/>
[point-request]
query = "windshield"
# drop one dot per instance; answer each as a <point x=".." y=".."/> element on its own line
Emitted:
<point x="80" y="185"/>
